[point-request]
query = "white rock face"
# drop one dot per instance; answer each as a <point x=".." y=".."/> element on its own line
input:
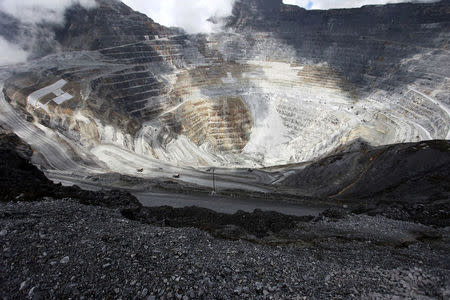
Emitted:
<point x="58" y="96"/>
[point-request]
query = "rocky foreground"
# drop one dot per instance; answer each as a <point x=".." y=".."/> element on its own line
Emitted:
<point x="61" y="249"/>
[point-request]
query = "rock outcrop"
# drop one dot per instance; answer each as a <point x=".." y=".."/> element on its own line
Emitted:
<point x="419" y="170"/>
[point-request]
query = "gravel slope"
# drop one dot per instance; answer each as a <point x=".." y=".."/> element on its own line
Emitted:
<point x="60" y="249"/>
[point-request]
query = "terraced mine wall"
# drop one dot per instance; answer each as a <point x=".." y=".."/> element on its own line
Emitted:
<point x="279" y="85"/>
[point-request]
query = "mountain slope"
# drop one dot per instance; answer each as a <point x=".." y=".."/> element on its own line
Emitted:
<point x="419" y="170"/>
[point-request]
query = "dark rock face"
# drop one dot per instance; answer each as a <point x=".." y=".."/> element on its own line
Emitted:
<point x="422" y="169"/>
<point x="10" y="27"/>
<point x="18" y="177"/>
<point x="256" y="12"/>
<point x="110" y="24"/>
<point x="404" y="182"/>
<point x="361" y="42"/>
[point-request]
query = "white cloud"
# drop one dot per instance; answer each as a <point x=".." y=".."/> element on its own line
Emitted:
<point x="36" y="11"/>
<point x="11" y="53"/>
<point x="189" y="15"/>
<point x="327" y="4"/>
<point x="302" y="3"/>
<point x="31" y="13"/>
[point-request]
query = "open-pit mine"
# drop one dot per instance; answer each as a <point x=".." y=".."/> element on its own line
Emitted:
<point x="278" y="85"/>
<point x="289" y="154"/>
